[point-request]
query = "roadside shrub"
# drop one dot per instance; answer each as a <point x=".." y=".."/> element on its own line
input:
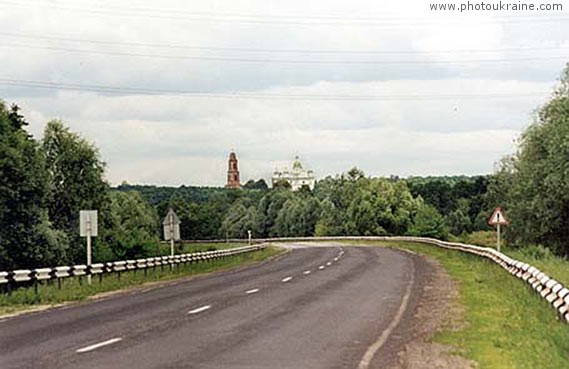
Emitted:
<point x="481" y="238"/>
<point x="537" y="252"/>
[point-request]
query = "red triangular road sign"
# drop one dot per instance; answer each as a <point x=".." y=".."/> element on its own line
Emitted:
<point x="498" y="217"/>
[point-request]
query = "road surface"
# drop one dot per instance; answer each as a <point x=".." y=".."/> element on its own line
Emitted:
<point x="313" y="307"/>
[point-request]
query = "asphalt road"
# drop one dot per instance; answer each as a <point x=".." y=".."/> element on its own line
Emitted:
<point x="314" y="307"/>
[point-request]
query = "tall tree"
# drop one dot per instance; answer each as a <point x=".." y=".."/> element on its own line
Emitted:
<point x="239" y="220"/>
<point x="132" y="230"/>
<point x="538" y="199"/>
<point x="428" y="222"/>
<point x="75" y="179"/>
<point x="26" y="237"/>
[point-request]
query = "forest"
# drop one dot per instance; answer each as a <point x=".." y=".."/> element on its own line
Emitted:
<point x="45" y="183"/>
<point x="347" y="204"/>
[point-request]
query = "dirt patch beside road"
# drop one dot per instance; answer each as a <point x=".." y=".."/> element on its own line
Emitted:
<point x="437" y="309"/>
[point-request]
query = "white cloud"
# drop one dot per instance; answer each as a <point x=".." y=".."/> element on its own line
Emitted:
<point x="175" y="139"/>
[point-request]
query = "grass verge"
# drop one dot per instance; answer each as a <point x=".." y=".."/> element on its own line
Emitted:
<point x="540" y="257"/>
<point x="554" y="266"/>
<point x="507" y="325"/>
<point x="77" y="289"/>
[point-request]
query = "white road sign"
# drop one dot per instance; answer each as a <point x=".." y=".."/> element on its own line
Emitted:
<point x="171" y="226"/>
<point x="498" y="218"/>
<point x="88" y="223"/>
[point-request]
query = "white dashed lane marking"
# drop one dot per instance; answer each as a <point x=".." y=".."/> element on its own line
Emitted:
<point x="254" y="290"/>
<point x="307" y="272"/>
<point x="328" y="263"/>
<point x="321" y="267"/>
<point x="199" y="310"/>
<point x="335" y="259"/>
<point x="286" y="279"/>
<point x="99" y="345"/>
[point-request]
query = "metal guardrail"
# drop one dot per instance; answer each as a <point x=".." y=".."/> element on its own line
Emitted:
<point x="548" y="288"/>
<point x="41" y="274"/>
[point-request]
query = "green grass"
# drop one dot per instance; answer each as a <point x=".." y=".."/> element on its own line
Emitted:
<point x="554" y="266"/>
<point x="77" y="289"/>
<point x="507" y="325"/>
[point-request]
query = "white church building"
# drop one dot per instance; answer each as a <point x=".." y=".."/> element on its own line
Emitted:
<point x="297" y="177"/>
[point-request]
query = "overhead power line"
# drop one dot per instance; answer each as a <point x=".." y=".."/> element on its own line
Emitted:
<point x="281" y="61"/>
<point x="254" y="95"/>
<point x="277" y="19"/>
<point x="303" y="15"/>
<point x="271" y="50"/>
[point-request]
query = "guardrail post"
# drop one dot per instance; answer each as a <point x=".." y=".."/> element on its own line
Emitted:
<point x="36" y="288"/>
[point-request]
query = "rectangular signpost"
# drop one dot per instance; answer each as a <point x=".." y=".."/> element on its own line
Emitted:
<point x="171" y="229"/>
<point x="88" y="227"/>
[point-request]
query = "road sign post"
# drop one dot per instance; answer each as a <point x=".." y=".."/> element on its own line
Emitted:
<point x="498" y="219"/>
<point x="171" y="229"/>
<point x="88" y="228"/>
<point x="498" y="236"/>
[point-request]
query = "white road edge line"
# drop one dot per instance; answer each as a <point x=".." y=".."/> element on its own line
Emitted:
<point x="98" y="345"/>
<point x="307" y="272"/>
<point x="199" y="310"/>
<point x="371" y="351"/>
<point x="254" y="290"/>
<point x="286" y="279"/>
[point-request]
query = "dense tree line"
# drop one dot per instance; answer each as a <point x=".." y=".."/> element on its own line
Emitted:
<point x="461" y="200"/>
<point x="43" y="186"/>
<point x="348" y="204"/>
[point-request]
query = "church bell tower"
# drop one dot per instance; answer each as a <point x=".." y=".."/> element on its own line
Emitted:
<point x="233" y="172"/>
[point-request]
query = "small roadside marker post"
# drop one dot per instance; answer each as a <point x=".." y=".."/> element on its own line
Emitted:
<point x="88" y="228"/>
<point x="249" y="236"/>
<point x="498" y="219"/>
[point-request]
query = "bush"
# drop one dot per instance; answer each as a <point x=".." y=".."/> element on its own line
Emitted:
<point x="537" y="252"/>
<point x="480" y="238"/>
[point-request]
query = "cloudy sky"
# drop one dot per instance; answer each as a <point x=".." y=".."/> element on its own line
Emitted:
<point x="166" y="89"/>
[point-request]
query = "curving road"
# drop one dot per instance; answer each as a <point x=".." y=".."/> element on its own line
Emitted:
<point x="314" y="307"/>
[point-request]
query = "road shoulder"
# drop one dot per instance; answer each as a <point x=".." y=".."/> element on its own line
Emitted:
<point x="435" y="308"/>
